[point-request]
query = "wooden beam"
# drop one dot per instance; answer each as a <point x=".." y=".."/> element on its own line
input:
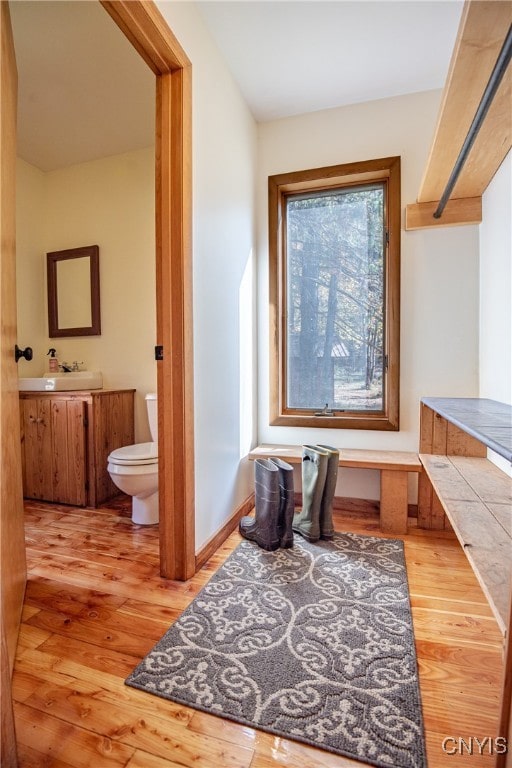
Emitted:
<point x="482" y="31"/>
<point x="462" y="211"/>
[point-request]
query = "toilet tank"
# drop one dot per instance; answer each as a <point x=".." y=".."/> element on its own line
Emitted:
<point x="151" y="404"/>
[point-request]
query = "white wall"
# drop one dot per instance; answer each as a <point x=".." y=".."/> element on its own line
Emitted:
<point x="439" y="274"/>
<point x="109" y="203"/>
<point x="496" y="293"/>
<point x="496" y="287"/>
<point x="224" y="160"/>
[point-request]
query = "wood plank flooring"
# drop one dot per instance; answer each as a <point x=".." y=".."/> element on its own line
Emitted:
<point x="95" y="605"/>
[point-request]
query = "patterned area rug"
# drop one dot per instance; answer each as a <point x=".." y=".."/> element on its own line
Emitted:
<point x="313" y="643"/>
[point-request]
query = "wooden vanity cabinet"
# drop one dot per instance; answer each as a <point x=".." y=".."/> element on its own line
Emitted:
<point x="66" y="438"/>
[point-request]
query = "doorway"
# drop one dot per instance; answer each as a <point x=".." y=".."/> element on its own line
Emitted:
<point x="147" y="31"/>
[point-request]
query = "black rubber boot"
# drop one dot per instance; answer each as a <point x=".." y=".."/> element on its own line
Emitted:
<point x="326" y="525"/>
<point x="262" y="528"/>
<point x="286" y="503"/>
<point x="314" y="471"/>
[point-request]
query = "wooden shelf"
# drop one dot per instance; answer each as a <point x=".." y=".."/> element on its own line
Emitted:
<point x="482" y="31"/>
<point x="462" y="486"/>
<point x="476" y="497"/>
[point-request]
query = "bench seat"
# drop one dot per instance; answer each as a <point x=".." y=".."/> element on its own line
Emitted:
<point x="394" y="467"/>
<point x="476" y="497"/>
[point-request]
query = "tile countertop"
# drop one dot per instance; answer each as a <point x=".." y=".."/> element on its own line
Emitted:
<point x="487" y="420"/>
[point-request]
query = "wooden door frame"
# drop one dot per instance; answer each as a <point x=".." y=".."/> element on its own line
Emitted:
<point x="147" y="30"/>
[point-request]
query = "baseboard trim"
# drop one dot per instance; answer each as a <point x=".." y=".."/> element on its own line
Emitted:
<point x="213" y="543"/>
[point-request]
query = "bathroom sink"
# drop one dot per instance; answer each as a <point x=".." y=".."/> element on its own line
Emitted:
<point x="61" y="382"/>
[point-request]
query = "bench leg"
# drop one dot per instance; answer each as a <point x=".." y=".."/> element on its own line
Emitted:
<point x="430" y="511"/>
<point x="393" y="501"/>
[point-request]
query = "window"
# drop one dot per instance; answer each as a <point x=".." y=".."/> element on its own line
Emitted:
<point x="335" y="296"/>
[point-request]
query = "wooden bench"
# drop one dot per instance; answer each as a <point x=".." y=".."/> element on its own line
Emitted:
<point x="476" y="497"/>
<point x="461" y="485"/>
<point x="394" y="468"/>
<point x="462" y="488"/>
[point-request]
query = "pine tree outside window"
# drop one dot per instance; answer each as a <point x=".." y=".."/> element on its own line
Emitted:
<point x="334" y="296"/>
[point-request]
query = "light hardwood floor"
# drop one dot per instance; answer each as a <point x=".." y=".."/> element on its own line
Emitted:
<point x="95" y="605"/>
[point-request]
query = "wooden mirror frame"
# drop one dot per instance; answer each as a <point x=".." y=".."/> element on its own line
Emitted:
<point x="93" y="253"/>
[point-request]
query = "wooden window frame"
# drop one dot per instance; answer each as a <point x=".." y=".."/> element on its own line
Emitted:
<point x="280" y="187"/>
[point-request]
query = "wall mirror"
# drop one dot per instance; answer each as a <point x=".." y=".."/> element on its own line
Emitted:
<point x="74" y="292"/>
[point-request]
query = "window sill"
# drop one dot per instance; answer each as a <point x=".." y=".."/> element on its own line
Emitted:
<point x="380" y="422"/>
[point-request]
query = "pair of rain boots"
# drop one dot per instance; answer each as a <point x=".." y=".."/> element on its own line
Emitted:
<point x="319" y="476"/>
<point x="271" y="527"/>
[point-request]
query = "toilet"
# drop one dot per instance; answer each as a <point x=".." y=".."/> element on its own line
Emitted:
<point x="134" y="470"/>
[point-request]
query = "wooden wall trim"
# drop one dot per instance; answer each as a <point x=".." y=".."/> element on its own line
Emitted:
<point x="213" y="544"/>
<point x="148" y="32"/>
<point x="174" y="324"/>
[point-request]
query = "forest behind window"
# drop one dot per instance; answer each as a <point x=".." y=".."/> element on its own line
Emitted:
<point x="335" y="287"/>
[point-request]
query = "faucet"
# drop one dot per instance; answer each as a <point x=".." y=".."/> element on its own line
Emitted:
<point x="68" y="368"/>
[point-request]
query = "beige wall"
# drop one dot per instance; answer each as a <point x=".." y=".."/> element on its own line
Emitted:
<point x="439" y="269"/>
<point x="108" y="202"/>
<point x="30" y="275"/>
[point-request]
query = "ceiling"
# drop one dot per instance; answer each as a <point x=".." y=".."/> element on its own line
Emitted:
<point x="293" y="57"/>
<point x="84" y="93"/>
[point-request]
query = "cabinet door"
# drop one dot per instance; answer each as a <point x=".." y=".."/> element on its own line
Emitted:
<point x="54" y="453"/>
<point x="37" y="448"/>
<point x="68" y="467"/>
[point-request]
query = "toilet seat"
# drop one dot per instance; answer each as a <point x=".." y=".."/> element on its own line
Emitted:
<point x="131" y="455"/>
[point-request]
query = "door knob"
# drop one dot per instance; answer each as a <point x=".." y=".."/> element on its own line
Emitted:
<point x="26" y="353"/>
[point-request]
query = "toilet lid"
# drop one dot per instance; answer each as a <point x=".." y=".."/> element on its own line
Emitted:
<point x="141" y="453"/>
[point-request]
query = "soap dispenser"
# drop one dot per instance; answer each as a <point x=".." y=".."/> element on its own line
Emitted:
<point x="53" y="365"/>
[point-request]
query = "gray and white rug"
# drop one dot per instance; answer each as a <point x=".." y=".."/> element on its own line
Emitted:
<point x="313" y="643"/>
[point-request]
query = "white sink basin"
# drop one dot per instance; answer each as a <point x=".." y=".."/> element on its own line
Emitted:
<point x="61" y="382"/>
